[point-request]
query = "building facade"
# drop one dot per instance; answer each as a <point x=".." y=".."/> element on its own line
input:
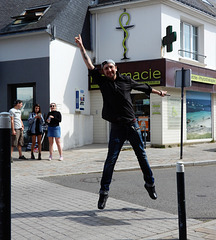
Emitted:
<point x="150" y="41"/>
<point x="39" y="62"/>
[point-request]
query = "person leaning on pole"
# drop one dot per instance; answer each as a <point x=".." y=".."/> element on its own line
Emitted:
<point x="118" y="110"/>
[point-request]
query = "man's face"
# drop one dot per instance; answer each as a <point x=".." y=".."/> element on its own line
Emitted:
<point x="19" y="105"/>
<point x="110" y="70"/>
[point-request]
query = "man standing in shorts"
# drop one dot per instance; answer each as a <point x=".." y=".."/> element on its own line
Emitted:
<point x="17" y="128"/>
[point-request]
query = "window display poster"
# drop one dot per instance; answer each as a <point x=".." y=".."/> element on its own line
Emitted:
<point x="156" y="108"/>
<point x="198" y="115"/>
<point x="174" y="113"/>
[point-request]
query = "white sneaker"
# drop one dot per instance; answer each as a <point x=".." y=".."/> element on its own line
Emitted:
<point x="50" y="158"/>
<point x="61" y="158"/>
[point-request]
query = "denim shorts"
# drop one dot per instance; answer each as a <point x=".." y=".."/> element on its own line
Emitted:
<point x="54" y="132"/>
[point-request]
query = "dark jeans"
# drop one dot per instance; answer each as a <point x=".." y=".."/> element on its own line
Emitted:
<point x="118" y="135"/>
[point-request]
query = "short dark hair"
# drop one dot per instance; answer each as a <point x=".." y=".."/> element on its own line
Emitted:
<point x="17" y="102"/>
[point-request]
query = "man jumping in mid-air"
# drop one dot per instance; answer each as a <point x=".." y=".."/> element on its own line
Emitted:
<point x="118" y="110"/>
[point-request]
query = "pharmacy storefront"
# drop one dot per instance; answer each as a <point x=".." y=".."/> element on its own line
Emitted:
<point x="160" y="118"/>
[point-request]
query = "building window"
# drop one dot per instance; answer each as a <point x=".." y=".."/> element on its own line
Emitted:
<point x="30" y="15"/>
<point x="189" y="41"/>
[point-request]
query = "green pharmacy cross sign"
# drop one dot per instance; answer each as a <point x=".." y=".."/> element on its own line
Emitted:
<point x="124" y="28"/>
<point x="169" y="39"/>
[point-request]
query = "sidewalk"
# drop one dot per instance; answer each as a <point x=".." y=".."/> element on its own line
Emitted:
<point x="43" y="210"/>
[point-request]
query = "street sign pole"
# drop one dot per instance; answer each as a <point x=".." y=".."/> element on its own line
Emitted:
<point x="182" y="110"/>
<point x="182" y="79"/>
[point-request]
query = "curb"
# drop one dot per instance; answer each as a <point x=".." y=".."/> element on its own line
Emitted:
<point x="198" y="163"/>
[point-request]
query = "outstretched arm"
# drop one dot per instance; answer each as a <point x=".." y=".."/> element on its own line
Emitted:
<point x="159" y="92"/>
<point x="85" y="56"/>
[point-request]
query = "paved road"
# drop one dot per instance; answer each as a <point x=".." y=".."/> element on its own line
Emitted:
<point x="49" y="211"/>
<point x="128" y="186"/>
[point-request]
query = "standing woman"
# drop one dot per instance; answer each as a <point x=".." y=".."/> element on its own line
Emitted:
<point x="36" y="121"/>
<point x="54" y="130"/>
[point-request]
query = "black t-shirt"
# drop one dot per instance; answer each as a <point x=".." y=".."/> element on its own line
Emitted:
<point x="117" y="103"/>
<point x="56" y="120"/>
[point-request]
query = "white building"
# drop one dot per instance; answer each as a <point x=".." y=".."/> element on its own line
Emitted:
<point x="40" y="62"/>
<point x="144" y="57"/>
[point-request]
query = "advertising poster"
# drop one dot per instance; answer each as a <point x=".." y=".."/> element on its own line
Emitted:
<point x="156" y="108"/>
<point x="174" y="113"/>
<point x="198" y="115"/>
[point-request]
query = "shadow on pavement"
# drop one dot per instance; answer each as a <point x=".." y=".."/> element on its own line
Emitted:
<point x="90" y="218"/>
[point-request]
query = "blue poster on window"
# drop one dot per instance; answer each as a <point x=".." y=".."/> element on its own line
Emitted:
<point x="198" y="115"/>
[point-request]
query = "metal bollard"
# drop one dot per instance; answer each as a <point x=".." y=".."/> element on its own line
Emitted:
<point x="181" y="201"/>
<point x="5" y="176"/>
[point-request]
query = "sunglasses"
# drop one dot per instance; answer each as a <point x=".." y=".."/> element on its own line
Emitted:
<point x="52" y="105"/>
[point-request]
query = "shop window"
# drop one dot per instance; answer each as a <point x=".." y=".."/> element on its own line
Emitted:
<point x="189" y="41"/>
<point x="141" y="105"/>
<point x="199" y="115"/>
<point x="31" y="15"/>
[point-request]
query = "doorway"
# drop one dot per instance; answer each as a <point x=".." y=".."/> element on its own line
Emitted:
<point x="26" y="93"/>
<point x="141" y="104"/>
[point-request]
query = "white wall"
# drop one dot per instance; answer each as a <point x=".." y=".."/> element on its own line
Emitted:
<point x="144" y="38"/>
<point x="166" y="127"/>
<point x="76" y="130"/>
<point x="170" y="16"/>
<point x="144" y="41"/>
<point x="24" y="46"/>
<point x="68" y="73"/>
<point x="210" y="46"/>
<point x="156" y="120"/>
<point x="100" y="126"/>
<point x="206" y="34"/>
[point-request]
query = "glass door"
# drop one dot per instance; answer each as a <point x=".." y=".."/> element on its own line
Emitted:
<point x="26" y="95"/>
